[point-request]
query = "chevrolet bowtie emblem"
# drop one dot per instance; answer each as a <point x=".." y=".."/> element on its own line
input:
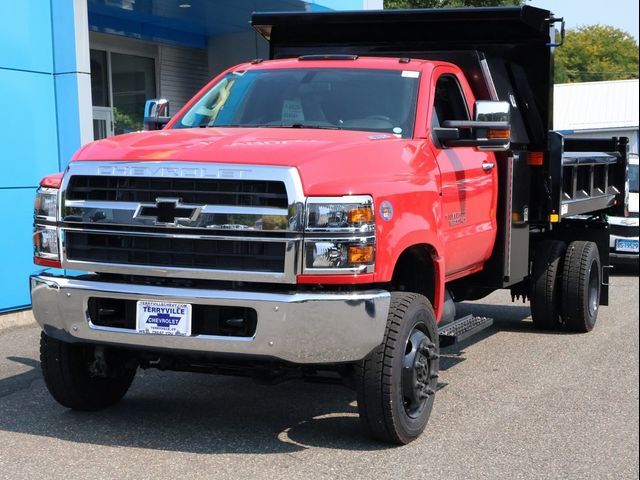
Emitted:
<point x="167" y="211"/>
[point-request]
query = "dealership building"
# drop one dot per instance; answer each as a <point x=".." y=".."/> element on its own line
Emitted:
<point x="72" y="71"/>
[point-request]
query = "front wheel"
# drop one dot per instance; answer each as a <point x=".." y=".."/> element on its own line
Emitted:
<point x="84" y="377"/>
<point x="396" y="383"/>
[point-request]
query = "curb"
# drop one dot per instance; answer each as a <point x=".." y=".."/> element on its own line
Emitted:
<point x="17" y="319"/>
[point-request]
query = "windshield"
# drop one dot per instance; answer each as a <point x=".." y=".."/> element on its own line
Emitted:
<point x="344" y="99"/>
<point x="633" y="178"/>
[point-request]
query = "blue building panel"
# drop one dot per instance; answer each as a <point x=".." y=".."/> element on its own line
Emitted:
<point x="68" y="118"/>
<point x="29" y="128"/>
<point x="64" y="38"/>
<point x="25" y="36"/>
<point x="17" y="247"/>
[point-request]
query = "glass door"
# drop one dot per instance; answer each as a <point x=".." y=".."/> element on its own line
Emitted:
<point x="102" y="123"/>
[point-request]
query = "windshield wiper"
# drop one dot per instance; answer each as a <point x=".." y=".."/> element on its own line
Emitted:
<point x="305" y="125"/>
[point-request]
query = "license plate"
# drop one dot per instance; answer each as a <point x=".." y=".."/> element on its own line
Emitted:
<point x="623" y="245"/>
<point x="163" y="318"/>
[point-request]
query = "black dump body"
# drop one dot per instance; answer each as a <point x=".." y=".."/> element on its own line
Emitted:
<point x="506" y="54"/>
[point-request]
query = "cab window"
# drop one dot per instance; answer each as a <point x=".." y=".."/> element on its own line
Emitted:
<point x="449" y="101"/>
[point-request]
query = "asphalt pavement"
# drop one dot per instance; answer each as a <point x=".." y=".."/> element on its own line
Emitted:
<point x="515" y="403"/>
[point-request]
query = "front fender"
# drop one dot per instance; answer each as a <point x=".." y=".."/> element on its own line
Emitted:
<point x="414" y="220"/>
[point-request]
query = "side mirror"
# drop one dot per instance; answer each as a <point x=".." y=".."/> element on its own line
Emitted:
<point x="156" y="114"/>
<point x="490" y="129"/>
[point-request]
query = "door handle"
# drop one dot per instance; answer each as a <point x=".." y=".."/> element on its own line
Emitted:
<point x="486" y="166"/>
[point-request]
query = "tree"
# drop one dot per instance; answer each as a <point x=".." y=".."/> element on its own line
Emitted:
<point x="450" y="3"/>
<point x="595" y="53"/>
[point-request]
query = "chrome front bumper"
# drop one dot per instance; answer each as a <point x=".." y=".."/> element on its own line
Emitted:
<point x="295" y="327"/>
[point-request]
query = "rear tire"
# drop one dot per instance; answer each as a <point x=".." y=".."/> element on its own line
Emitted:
<point x="396" y="383"/>
<point x="545" y="284"/>
<point x="72" y="380"/>
<point x="581" y="284"/>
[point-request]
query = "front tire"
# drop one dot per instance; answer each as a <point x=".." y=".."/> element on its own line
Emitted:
<point x="76" y="381"/>
<point x="396" y="383"/>
<point x="581" y="283"/>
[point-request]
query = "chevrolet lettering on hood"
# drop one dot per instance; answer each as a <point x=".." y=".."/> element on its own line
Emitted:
<point x="182" y="172"/>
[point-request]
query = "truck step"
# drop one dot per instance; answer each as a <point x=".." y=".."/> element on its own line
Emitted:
<point x="461" y="329"/>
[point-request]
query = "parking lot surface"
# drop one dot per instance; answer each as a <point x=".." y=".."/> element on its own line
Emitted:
<point x="514" y="403"/>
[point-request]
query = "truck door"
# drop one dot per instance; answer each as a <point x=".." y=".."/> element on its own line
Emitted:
<point x="469" y="181"/>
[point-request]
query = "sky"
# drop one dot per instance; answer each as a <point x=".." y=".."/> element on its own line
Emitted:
<point x="622" y="14"/>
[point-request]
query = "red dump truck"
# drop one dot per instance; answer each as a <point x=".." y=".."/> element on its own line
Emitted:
<point x="319" y="214"/>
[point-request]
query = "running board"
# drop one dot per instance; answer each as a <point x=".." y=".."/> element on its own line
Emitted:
<point x="461" y="329"/>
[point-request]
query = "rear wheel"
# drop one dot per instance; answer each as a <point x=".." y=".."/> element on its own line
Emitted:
<point x="84" y="377"/>
<point x="396" y="383"/>
<point x="545" y="284"/>
<point x="581" y="283"/>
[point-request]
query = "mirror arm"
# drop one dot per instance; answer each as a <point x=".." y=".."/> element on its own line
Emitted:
<point x="474" y="142"/>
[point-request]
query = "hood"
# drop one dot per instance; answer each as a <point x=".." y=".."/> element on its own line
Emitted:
<point x="333" y="162"/>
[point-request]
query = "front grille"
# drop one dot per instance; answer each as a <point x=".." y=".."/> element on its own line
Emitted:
<point x="240" y="193"/>
<point x="205" y="319"/>
<point x="240" y="255"/>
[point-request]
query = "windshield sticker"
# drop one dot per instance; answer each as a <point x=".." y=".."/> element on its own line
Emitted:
<point x="386" y="211"/>
<point x="379" y="136"/>
<point x="292" y="112"/>
<point x="410" y="74"/>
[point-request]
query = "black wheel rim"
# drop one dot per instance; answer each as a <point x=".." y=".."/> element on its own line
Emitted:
<point x="594" y="289"/>
<point x="418" y="371"/>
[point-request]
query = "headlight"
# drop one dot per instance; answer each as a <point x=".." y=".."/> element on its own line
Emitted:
<point x="46" y="250"/>
<point x="339" y="235"/>
<point x="352" y="214"/>
<point x="353" y="254"/>
<point x="46" y="204"/>
<point x="45" y="242"/>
